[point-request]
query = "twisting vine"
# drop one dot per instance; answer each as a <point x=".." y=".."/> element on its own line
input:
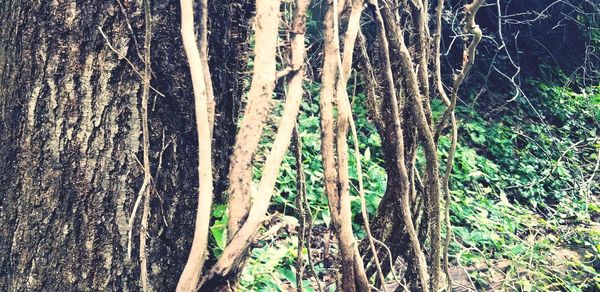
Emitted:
<point x="468" y="61"/>
<point x="144" y="192"/>
<point x="404" y="182"/>
<point x="300" y="194"/>
<point x="305" y="216"/>
<point x="191" y="273"/>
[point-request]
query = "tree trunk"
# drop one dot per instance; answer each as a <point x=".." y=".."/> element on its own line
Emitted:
<point x="228" y="48"/>
<point x="70" y="139"/>
<point x="388" y="225"/>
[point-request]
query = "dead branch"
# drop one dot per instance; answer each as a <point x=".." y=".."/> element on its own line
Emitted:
<point x="303" y="209"/>
<point x="468" y="61"/>
<point x="300" y="195"/>
<point x="363" y="204"/>
<point x="121" y="56"/>
<point x="191" y="273"/>
<point x="146" y="148"/>
<point x="256" y="112"/>
<point x="235" y="252"/>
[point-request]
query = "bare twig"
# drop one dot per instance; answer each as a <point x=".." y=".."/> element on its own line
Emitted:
<point x="309" y="224"/>
<point x="390" y="259"/>
<point x="556" y="164"/>
<point x="135" y="69"/>
<point x="468" y="61"/>
<point x="447" y="198"/>
<point x="146" y="149"/>
<point x="133" y="36"/>
<point x="300" y="194"/>
<point x="303" y="209"/>
<point x="363" y="203"/>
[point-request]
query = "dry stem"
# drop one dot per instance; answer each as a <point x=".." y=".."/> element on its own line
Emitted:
<point x="193" y="268"/>
<point x="256" y="112"/>
<point x="268" y="15"/>
<point x="146" y="147"/>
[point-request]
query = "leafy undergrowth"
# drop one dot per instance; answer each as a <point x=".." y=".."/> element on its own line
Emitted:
<point x="525" y="195"/>
<point x="525" y="205"/>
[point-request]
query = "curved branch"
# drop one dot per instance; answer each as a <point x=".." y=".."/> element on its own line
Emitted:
<point x="191" y="273"/>
<point x="236" y="251"/>
<point x="256" y="112"/>
<point x="468" y="61"/>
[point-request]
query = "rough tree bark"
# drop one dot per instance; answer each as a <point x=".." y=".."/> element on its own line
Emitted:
<point x="70" y="139"/>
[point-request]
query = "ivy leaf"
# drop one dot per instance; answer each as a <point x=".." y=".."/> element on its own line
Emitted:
<point x="218" y="232"/>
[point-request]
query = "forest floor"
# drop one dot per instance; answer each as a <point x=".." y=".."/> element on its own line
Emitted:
<point x="557" y="265"/>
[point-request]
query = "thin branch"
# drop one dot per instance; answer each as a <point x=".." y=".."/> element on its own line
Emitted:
<point x="133" y="36"/>
<point x="120" y="56"/>
<point x="300" y="194"/>
<point x="363" y="204"/>
<point x="305" y="216"/>
<point x="191" y="273"/>
<point x="146" y="147"/>
<point x="554" y="167"/>
<point x="267" y="18"/>
<point x="309" y="220"/>
<point x="468" y="61"/>
<point x="505" y="47"/>
<point x="447" y="198"/>
<point x="390" y="260"/>
<point x="303" y="207"/>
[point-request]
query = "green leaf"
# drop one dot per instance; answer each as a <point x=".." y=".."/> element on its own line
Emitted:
<point x="219" y="234"/>
<point x="219" y="210"/>
<point x="367" y="155"/>
<point x="326" y="217"/>
<point x="288" y="274"/>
